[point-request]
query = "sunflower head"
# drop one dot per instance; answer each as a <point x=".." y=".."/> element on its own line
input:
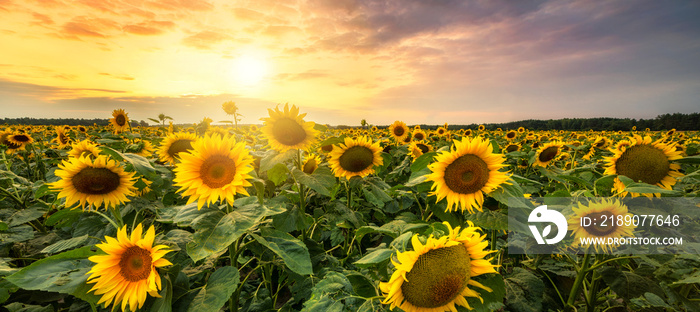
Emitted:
<point x="287" y="129"/>
<point x="93" y="182"/>
<point x="20" y="139"/>
<point x="645" y="161"/>
<point x="602" y="210"/>
<point x="510" y="135"/>
<point x="216" y="168"/>
<point x="398" y="130"/>
<point x="84" y="148"/>
<point x="126" y="273"/>
<point x="436" y="276"/>
<point x="311" y="164"/>
<point x="174" y="145"/>
<point x="416" y="149"/>
<point x="547" y="153"/>
<point x="62" y="138"/>
<point x="120" y="120"/>
<point x="229" y="107"/>
<point x="419" y="135"/>
<point x="356" y="157"/>
<point x="466" y="172"/>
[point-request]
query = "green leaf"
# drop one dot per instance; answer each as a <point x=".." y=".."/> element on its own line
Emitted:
<point x="524" y="291"/>
<point x="492" y="220"/>
<point x="63" y="273"/>
<point x="64" y="217"/>
<point x="23" y="307"/>
<point x="25" y="215"/>
<point x="278" y="174"/>
<point x="140" y="163"/>
<point x="629" y="285"/>
<point x="422" y="162"/>
<point x="43" y="190"/>
<point x="17" y="234"/>
<point x="214" y="232"/>
<point x="292" y="251"/>
<point x="645" y="188"/>
<point x="511" y="195"/>
<point x="220" y="285"/>
<point x="320" y="181"/>
<point x="374" y="257"/>
<point x="273" y="158"/>
<point x="493" y="301"/>
<point x="66" y="244"/>
<point x="689" y="160"/>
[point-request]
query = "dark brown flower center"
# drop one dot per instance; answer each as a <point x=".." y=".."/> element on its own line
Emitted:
<point x="600" y="218"/>
<point x="419" y="136"/>
<point x="120" y="120"/>
<point x="356" y="159"/>
<point x="22" y="138"/>
<point x="548" y="154"/>
<point x="96" y="181"/>
<point x="310" y="166"/>
<point x="512" y="148"/>
<point x="288" y="132"/>
<point x="437" y="277"/>
<point x="643" y="163"/>
<point x="135" y="264"/>
<point x="467" y="174"/>
<point x="217" y="171"/>
<point x="399" y="131"/>
<point x="179" y="146"/>
<point x="510" y="135"/>
<point x="423" y="148"/>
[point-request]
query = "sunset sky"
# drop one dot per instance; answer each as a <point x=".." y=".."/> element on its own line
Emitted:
<point x="418" y="61"/>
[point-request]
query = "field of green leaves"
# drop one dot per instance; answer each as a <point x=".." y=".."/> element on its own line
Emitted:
<point x="290" y="215"/>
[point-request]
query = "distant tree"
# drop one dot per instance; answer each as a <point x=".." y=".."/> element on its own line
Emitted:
<point x="143" y="123"/>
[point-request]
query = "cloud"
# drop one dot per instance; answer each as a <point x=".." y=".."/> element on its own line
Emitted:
<point x="205" y="39"/>
<point x="149" y="28"/>
<point x="47" y="93"/>
<point x="122" y="77"/>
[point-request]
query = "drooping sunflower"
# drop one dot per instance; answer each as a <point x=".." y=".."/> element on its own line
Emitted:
<point x="84" y="148"/>
<point x="119" y="120"/>
<point x="547" y="152"/>
<point x="62" y="139"/>
<point x="605" y="212"/>
<point x="286" y="130"/>
<point x="436" y="276"/>
<point x="93" y="182"/>
<point x="127" y="273"/>
<point x="465" y="173"/>
<point x="398" y="130"/>
<point x="356" y="157"/>
<point x="11" y="147"/>
<point x="216" y="168"/>
<point x="175" y="144"/>
<point x="311" y="164"/>
<point x="645" y="161"/>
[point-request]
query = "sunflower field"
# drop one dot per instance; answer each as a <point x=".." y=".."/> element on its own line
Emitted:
<point x="291" y="215"/>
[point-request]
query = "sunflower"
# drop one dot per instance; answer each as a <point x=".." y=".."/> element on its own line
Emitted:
<point x="645" y="161"/>
<point x="468" y="132"/>
<point x="20" y="139"/>
<point x="253" y="128"/>
<point x="217" y="168"/>
<point x="547" y="152"/>
<point x="482" y="127"/>
<point x="466" y="172"/>
<point x="311" y="164"/>
<point x="93" y="182"/>
<point x="229" y="107"/>
<point x="600" y="142"/>
<point x="120" y="120"/>
<point x="286" y="130"/>
<point x="510" y="135"/>
<point x="419" y="135"/>
<point x="142" y="148"/>
<point x="512" y="147"/>
<point x="435" y="276"/>
<point x="82" y="129"/>
<point x="84" y="148"/>
<point x="127" y="273"/>
<point x="174" y="144"/>
<point x="357" y="157"/>
<point x="416" y="149"/>
<point x="399" y="130"/>
<point x="11" y="147"/>
<point x="441" y="131"/>
<point x="521" y="130"/>
<point x="604" y="212"/>
<point x="61" y="139"/>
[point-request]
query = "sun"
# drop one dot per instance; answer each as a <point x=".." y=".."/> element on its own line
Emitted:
<point x="250" y="69"/>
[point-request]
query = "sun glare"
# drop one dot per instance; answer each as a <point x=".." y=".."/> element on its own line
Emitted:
<point x="249" y="70"/>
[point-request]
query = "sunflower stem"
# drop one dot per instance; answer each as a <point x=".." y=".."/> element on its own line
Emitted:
<point x="106" y="217"/>
<point x="117" y="216"/>
<point x="578" y="282"/>
<point x="15" y="198"/>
